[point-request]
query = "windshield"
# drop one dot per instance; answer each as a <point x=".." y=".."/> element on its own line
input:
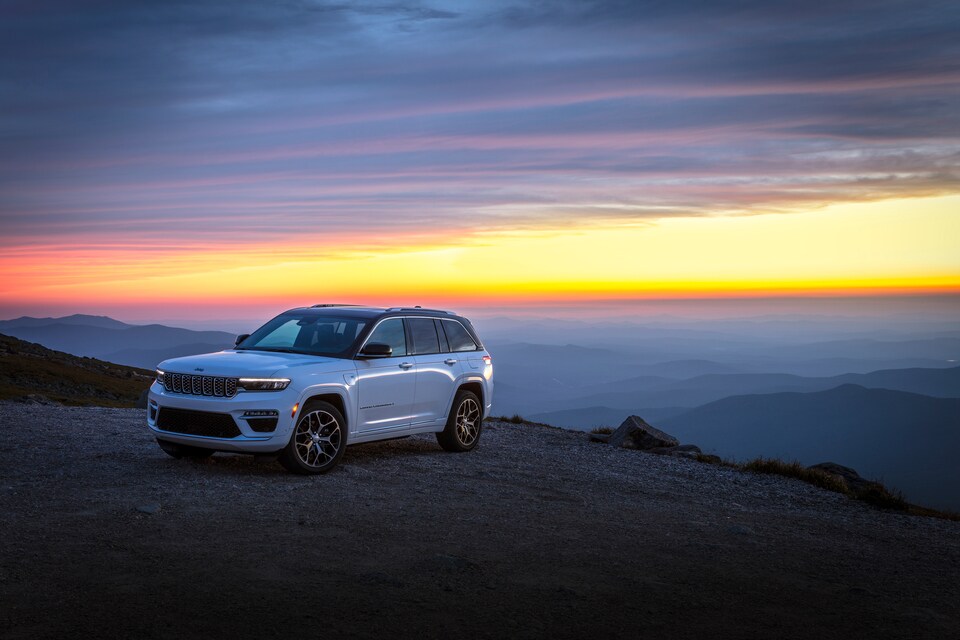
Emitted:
<point x="310" y="333"/>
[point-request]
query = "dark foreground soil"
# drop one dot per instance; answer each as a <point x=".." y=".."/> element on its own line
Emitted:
<point x="535" y="534"/>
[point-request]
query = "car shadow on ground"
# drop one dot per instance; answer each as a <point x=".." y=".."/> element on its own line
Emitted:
<point x="359" y="455"/>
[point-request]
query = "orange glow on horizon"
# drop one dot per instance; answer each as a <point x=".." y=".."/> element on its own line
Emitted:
<point x="894" y="247"/>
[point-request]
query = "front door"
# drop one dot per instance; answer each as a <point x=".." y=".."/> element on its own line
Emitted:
<point x="386" y="385"/>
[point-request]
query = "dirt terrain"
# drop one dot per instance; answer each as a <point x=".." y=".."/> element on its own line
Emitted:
<point x="535" y="534"/>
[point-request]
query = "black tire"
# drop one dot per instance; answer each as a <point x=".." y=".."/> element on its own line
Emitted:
<point x="318" y="440"/>
<point x="464" y="423"/>
<point x="178" y="451"/>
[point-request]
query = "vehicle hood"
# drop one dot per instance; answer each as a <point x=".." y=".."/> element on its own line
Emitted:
<point x="252" y="364"/>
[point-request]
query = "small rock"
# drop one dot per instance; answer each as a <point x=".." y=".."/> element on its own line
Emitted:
<point x="680" y="451"/>
<point x="149" y="508"/>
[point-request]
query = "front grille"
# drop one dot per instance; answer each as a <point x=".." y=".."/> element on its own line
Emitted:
<point x="200" y="385"/>
<point x="197" y="423"/>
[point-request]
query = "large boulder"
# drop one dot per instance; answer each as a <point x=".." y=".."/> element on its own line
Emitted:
<point x="853" y="480"/>
<point x="635" y="433"/>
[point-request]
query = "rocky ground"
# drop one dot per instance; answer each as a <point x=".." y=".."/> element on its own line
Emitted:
<point x="535" y="534"/>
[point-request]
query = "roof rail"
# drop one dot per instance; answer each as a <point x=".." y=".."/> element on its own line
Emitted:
<point x="331" y="304"/>
<point x="419" y="308"/>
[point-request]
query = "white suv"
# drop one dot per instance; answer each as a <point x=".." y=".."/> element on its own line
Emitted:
<point x="313" y="380"/>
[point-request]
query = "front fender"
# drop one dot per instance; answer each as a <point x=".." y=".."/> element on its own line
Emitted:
<point x="342" y="389"/>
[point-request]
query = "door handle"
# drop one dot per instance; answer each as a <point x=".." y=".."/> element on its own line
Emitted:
<point x="406" y="365"/>
<point x="450" y="361"/>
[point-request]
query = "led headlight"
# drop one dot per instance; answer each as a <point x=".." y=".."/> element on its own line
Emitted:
<point x="160" y="377"/>
<point x="263" y="384"/>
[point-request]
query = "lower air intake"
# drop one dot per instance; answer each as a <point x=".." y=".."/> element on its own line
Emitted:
<point x="197" y="423"/>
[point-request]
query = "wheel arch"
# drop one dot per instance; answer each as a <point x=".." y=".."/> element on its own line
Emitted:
<point x="333" y="398"/>
<point x="473" y="386"/>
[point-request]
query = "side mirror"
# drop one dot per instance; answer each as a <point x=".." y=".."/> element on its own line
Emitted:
<point x="241" y="338"/>
<point x="377" y="350"/>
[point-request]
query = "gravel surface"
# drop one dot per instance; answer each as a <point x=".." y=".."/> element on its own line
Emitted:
<point x="536" y="533"/>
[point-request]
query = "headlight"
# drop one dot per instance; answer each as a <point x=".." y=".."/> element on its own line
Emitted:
<point x="160" y="376"/>
<point x="263" y="384"/>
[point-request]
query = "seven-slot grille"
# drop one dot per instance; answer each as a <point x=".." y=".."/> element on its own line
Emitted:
<point x="200" y="385"/>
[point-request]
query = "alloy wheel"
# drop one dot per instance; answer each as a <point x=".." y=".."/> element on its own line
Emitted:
<point x="318" y="438"/>
<point x="468" y="421"/>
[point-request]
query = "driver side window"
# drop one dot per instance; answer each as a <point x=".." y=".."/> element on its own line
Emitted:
<point x="391" y="332"/>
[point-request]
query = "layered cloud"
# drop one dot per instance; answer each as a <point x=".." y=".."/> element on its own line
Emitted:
<point x="143" y="124"/>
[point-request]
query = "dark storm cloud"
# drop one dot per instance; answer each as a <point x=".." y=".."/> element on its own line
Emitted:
<point x="464" y="115"/>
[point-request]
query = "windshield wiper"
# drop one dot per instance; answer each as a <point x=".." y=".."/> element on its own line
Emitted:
<point x="289" y="350"/>
<point x="276" y="349"/>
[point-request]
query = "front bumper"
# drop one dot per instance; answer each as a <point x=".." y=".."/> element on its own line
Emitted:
<point x="249" y="441"/>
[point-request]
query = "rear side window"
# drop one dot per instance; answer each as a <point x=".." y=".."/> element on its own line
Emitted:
<point x="424" y="334"/>
<point x="457" y="336"/>
<point x="391" y="332"/>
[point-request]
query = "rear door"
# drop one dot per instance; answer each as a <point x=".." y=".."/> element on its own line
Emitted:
<point x="386" y="385"/>
<point x="462" y="346"/>
<point x="437" y="371"/>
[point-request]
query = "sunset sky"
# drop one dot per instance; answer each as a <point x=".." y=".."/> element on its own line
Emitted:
<point x="166" y="160"/>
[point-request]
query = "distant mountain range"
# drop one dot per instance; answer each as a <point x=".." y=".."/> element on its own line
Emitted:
<point x="77" y="318"/>
<point x="114" y="341"/>
<point x="30" y="370"/>
<point x="907" y="440"/>
<point x="635" y="394"/>
<point x="538" y="378"/>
